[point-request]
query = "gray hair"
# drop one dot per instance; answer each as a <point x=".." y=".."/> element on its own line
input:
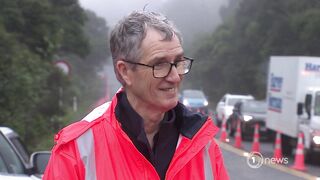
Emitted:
<point x="127" y="36"/>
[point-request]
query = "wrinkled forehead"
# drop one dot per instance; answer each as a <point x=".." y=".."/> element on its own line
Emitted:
<point x="154" y="46"/>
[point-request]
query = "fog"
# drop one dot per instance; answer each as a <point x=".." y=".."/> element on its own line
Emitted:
<point x="192" y="17"/>
<point x="112" y="10"/>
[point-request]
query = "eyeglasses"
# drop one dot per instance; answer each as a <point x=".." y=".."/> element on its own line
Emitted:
<point x="161" y="70"/>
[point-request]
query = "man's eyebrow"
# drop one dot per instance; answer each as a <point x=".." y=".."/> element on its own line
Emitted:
<point x="156" y="60"/>
<point x="180" y="55"/>
<point x="164" y="59"/>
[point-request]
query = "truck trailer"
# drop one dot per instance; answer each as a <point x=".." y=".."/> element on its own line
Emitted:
<point x="293" y="98"/>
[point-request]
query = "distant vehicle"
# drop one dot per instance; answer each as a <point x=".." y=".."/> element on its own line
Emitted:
<point x="293" y="95"/>
<point x="15" y="162"/>
<point x="195" y="100"/>
<point x="250" y="113"/>
<point x="225" y="105"/>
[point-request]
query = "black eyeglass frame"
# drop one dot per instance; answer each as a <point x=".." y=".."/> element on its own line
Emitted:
<point x="172" y="64"/>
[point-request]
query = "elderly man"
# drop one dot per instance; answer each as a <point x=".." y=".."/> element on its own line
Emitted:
<point x="144" y="132"/>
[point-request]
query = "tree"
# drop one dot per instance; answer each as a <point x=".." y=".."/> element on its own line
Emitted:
<point x="22" y="77"/>
<point x="234" y="58"/>
<point x="71" y="18"/>
<point x="31" y="33"/>
<point x="193" y="18"/>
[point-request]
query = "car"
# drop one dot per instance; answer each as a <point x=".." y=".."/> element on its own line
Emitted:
<point x="226" y="103"/>
<point x="17" y="144"/>
<point x="11" y="166"/>
<point x="250" y="113"/>
<point x="195" y="100"/>
<point x="15" y="161"/>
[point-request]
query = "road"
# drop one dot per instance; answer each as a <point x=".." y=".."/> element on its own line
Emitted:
<point x="239" y="169"/>
<point x="238" y="166"/>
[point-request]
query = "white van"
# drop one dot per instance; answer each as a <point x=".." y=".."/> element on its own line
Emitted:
<point x="225" y="106"/>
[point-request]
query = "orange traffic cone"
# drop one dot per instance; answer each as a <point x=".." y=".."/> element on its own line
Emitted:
<point x="223" y="135"/>
<point x="256" y="136"/>
<point x="238" y="140"/>
<point x="299" y="157"/>
<point x="277" y="150"/>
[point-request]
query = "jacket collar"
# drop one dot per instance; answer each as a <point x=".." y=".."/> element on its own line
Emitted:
<point x="188" y="123"/>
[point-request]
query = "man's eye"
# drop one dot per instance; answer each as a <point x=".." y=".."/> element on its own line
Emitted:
<point x="161" y="65"/>
<point x="180" y="59"/>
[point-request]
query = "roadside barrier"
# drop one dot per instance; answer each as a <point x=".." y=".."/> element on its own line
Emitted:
<point x="238" y="139"/>
<point x="256" y="137"/>
<point x="299" y="157"/>
<point x="277" y="150"/>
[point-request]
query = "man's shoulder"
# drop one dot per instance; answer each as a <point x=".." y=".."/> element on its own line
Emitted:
<point x="192" y="123"/>
<point x="76" y="129"/>
<point x="97" y="112"/>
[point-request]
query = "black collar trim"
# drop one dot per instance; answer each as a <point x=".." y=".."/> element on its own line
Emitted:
<point x="187" y="122"/>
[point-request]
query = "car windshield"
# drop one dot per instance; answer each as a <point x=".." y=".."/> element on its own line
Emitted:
<point x="233" y="101"/>
<point x="254" y="107"/>
<point x="193" y="94"/>
<point x="20" y="147"/>
<point x="9" y="161"/>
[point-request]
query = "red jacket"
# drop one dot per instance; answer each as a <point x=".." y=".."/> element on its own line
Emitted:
<point x="97" y="148"/>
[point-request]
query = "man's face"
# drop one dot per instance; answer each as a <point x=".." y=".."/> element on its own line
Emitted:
<point x="160" y="94"/>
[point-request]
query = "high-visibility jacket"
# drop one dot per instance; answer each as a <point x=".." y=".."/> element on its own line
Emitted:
<point x="96" y="148"/>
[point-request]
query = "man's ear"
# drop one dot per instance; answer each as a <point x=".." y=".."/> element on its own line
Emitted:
<point x="124" y="71"/>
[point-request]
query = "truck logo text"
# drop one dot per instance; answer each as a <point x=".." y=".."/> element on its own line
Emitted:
<point x="276" y="83"/>
<point x="312" y="67"/>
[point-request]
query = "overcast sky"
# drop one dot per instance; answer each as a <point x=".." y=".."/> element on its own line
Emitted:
<point x="113" y="10"/>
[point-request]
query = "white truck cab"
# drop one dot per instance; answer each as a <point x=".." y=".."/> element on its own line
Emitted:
<point x="310" y="121"/>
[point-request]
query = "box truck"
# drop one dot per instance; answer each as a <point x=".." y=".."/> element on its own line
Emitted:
<point x="293" y="97"/>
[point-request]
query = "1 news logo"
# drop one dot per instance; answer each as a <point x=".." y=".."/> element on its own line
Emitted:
<point x="256" y="160"/>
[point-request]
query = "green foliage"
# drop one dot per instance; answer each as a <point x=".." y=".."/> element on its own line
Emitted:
<point x="32" y="32"/>
<point x="71" y="18"/>
<point x="22" y="78"/>
<point x="234" y="58"/>
<point x="85" y="71"/>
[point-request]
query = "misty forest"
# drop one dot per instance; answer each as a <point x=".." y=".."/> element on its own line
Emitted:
<point x="231" y="46"/>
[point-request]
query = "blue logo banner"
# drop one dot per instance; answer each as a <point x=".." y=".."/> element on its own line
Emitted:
<point x="276" y="83"/>
<point x="275" y="104"/>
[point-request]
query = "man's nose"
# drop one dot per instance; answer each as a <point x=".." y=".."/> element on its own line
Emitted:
<point x="173" y="75"/>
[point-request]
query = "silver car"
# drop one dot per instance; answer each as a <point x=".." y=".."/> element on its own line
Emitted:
<point x="195" y="100"/>
<point x="14" y="158"/>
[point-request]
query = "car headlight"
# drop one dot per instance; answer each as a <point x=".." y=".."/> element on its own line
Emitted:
<point x="205" y="103"/>
<point x="185" y="102"/>
<point x="316" y="136"/>
<point x="228" y="112"/>
<point x="247" y="118"/>
<point x="316" y="140"/>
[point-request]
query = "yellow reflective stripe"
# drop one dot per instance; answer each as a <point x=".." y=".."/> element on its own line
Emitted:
<point x="208" y="172"/>
<point x="85" y="145"/>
